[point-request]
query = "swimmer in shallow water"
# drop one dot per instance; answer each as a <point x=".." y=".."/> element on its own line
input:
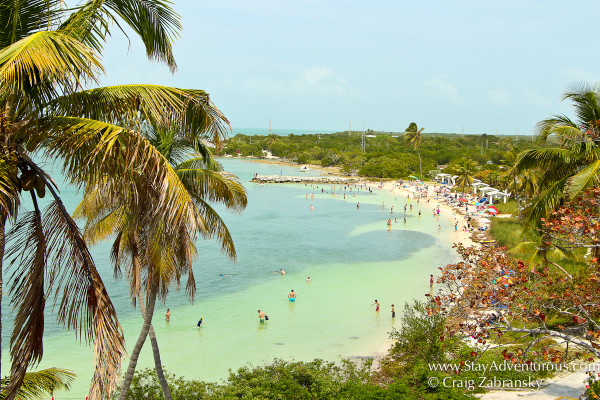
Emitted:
<point x="292" y="295"/>
<point x="261" y="316"/>
<point x="376" y="304"/>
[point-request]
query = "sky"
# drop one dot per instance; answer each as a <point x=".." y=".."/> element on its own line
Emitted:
<point x="481" y="66"/>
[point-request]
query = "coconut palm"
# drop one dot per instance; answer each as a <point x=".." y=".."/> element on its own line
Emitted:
<point x="47" y="54"/>
<point x="566" y="171"/>
<point x="465" y="171"/>
<point x="413" y="138"/>
<point x="154" y="259"/>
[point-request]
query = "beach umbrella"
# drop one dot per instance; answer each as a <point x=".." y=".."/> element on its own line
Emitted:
<point x="463" y="200"/>
<point x="413" y="177"/>
<point x="493" y="208"/>
<point x="492" y="211"/>
<point x="483" y="200"/>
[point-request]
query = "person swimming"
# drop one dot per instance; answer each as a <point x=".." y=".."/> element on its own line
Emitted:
<point x="376" y="304"/>
<point x="199" y="322"/>
<point x="262" y="316"/>
<point x="292" y="295"/>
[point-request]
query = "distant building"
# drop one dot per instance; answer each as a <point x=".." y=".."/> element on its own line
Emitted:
<point x="268" y="155"/>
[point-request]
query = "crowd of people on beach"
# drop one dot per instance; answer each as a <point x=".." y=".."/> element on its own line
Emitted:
<point x="415" y="190"/>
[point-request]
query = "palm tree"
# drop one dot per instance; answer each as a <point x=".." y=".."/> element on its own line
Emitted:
<point x="47" y="54"/>
<point x="413" y="138"/>
<point x="465" y="171"/>
<point x="156" y="259"/>
<point x="566" y="171"/>
<point x="271" y="140"/>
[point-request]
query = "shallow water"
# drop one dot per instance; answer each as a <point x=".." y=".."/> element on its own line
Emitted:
<point x="349" y="254"/>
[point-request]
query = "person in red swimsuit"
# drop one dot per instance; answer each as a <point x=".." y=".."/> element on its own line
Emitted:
<point x="376" y="304"/>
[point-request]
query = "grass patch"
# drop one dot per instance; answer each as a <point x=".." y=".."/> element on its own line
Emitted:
<point x="509" y="232"/>
<point x="510" y="207"/>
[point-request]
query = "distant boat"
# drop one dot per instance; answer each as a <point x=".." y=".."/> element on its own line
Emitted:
<point x="304" y="168"/>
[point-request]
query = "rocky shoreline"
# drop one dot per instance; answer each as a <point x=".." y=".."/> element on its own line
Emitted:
<point x="334" y="180"/>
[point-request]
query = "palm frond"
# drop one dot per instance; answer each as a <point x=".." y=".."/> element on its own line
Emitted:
<point x="548" y="201"/>
<point x="154" y="21"/>
<point x="215" y="226"/>
<point x="19" y="19"/>
<point x="41" y="384"/>
<point x="554" y="125"/>
<point x="188" y="110"/>
<point x="584" y="179"/>
<point x="28" y="251"/>
<point x="84" y="303"/>
<point x="40" y="63"/>
<point x="214" y="186"/>
<point x="542" y="158"/>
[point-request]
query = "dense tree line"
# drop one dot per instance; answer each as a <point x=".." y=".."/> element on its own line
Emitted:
<point x="386" y="155"/>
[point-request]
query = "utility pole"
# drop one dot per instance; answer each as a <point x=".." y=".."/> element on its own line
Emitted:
<point x="362" y="140"/>
<point x="517" y="135"/>
<point x="269" y="126"/>
<point x="350" y="130"/>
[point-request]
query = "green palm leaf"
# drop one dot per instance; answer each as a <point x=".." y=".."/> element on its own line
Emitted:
<point x="41" y="384"/>
<point x="586" y="178"/>
<point x="548" y="201"/>
<point x="38" y="63"/>
<point x="154" y="21"/>
<point x="19" y="19"/>
<point x="129" y="105"/>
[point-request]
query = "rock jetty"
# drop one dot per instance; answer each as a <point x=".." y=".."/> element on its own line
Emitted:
<point x="334" y="180"/>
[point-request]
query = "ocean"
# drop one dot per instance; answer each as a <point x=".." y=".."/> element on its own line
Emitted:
<point x="351" y="257"/>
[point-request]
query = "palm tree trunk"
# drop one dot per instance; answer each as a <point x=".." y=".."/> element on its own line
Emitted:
<point x="156" y="352"/>
<point x="517" y="197"/>
<point x="135" y="353"/>
<point x="420" y="167"/>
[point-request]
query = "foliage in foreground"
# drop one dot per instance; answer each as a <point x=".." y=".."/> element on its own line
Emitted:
<point x="41" y="384"/>
<point x="294" y="380"/>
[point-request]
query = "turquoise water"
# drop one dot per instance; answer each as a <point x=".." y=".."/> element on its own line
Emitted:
<point x="350" y="256"/>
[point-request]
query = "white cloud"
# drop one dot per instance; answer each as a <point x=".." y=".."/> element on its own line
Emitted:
<point x="443" y="89"/>
<point x="498" y="97"/>
<point x="319" y="81"/>
<point x="315" y="75"/>
<point x="533" y="97"/>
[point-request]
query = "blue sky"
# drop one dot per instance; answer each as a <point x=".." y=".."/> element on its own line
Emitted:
<point x="305" y="64"/>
